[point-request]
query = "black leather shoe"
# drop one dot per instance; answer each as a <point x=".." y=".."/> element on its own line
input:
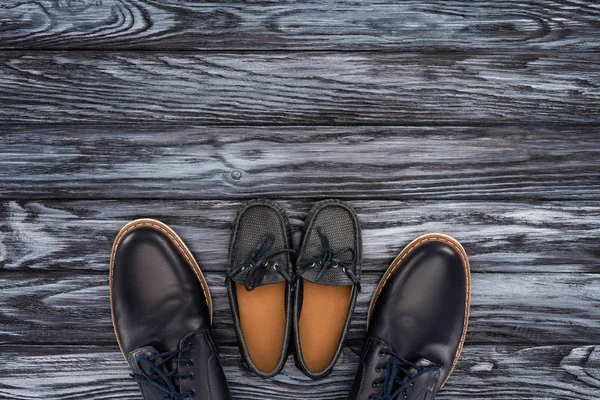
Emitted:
<point x="161" y="311"/>
<point x="328" y="269"/>
<point x="417" y="322"/>
<point x="259" y="285"/>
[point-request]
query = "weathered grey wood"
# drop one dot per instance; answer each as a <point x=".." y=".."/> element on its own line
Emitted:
<point x="483" y="372"/>
<point x="299" y="88"/>
<point x="552" y="308"/>
<point x="472" y="112"/>
<point x="537" y="25"/>
<point x="174" y="161"/>
<point x="507" y="237"/>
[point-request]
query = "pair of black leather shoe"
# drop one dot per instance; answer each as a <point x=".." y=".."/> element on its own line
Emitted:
<point x="417" y="322"/>
<point x="280" y="298"/>
<point x="162" y="311"/>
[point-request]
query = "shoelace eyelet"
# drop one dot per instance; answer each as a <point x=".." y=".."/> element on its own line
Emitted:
<point x="257" y="263"/>
<point x="400" y="375"/>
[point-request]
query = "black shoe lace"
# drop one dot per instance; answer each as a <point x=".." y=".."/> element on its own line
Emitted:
<point x="331" y="259"/>
<point x="400" y="375"/>
<point x="154" y="372"/>
<point x="258" y="262"/>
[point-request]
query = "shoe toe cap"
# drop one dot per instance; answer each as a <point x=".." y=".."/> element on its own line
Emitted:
<point x="155" y="294"/>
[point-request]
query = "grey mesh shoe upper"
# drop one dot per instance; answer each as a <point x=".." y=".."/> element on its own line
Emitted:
<point x="331" y="249"/>
<point x="260" y="252"/>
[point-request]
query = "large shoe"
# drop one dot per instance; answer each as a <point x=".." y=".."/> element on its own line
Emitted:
<point x="328" y="269"/>
<point x="417" y="322"/>
<point x="161" y="311"/>
<point x="259" y="285"/>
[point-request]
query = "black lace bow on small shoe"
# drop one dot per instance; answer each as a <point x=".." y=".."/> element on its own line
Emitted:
<point x="259" y="263"/>
<point x="400" y="376"/>
<point x="332" y="259"/>
<point x="154" y="372"/>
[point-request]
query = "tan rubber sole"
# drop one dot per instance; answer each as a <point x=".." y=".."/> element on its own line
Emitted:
<point x="412" y="246"/>
<point x="179" y="244"/>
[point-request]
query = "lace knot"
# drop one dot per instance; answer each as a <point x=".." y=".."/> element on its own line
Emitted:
<point x="258" y="263"/>
<point x="154" y="372"/>
<point x="400" y="375"/>
<point x="332" y="259"/>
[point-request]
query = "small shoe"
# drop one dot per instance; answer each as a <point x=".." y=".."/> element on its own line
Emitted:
<point x="259" y="285"/>
<point x="161" y="312"/>
<point x="417" y="322"/>
<point x="328" y="269"/>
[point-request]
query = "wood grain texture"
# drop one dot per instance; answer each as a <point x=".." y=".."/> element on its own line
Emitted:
<point x="174" y="161"/>
<point x="506" y="237"/>
<point x="414" y="25"/>
<point x="540" y="309"/>
<point x="299" y="88"/>
<point x="475" y="118"/>
<point x="483" y="373"/>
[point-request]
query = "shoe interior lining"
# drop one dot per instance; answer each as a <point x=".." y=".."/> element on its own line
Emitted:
<point x="321" y="324"/>
<point x="262" y="320"/>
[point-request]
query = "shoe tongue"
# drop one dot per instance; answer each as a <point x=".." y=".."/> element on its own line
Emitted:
<point x="423" y="386"/>
<point x="145" y="369"/>
<point x="333" y="276"/>
<point x="142" y="352"/>
<point x="421" y="362"/>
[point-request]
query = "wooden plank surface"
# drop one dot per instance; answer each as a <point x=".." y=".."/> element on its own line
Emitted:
<point x="541" y="309"/>
<point x="483" y="372"/>
<point x="475" y="118"/>
<point x="299" y="88"/>
<point x="506" y="237"/>
<point x="413" y="25"/>
<point x="175" y="161"/>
